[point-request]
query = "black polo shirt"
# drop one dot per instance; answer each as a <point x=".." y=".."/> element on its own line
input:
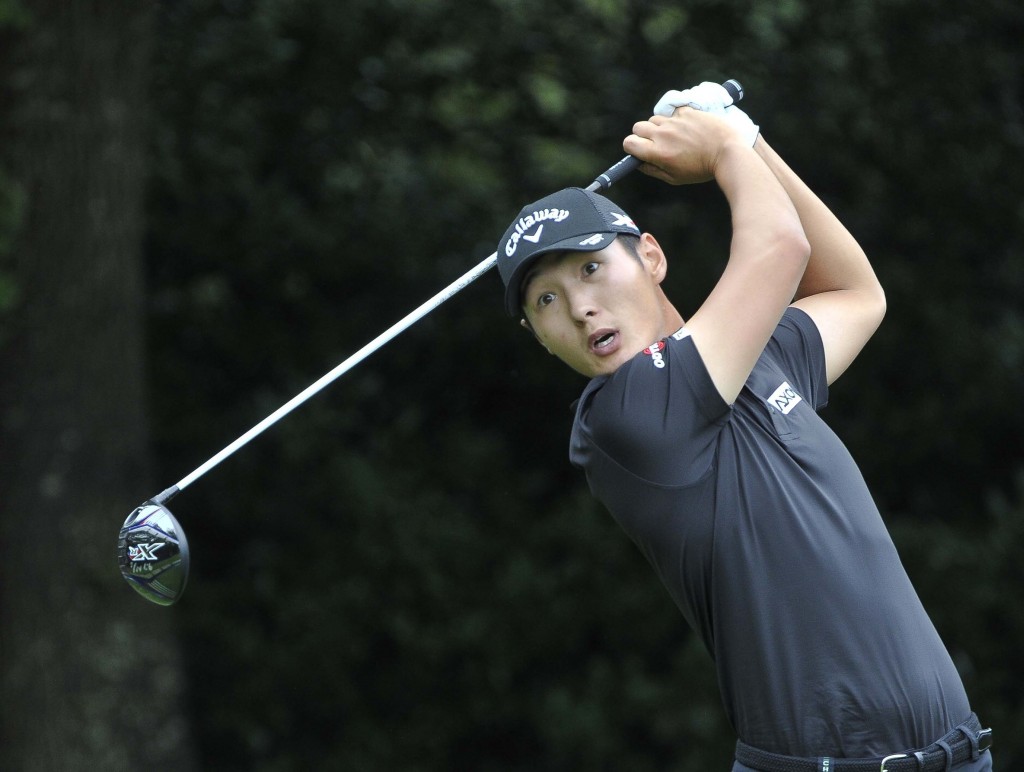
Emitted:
<point x="760" y="525"/>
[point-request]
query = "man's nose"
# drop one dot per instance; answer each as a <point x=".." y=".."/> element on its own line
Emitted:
<point x="582" y="306"/>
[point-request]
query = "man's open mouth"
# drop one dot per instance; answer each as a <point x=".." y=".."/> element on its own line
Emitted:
<point x="604" y="341"/>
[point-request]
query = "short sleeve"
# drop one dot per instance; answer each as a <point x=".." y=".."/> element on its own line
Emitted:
<point x="657" y="417"/>
<point x="797" y="347"/>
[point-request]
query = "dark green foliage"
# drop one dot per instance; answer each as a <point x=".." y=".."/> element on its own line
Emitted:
<point x="406" y="573"/>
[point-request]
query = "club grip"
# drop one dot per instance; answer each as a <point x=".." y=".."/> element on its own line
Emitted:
<point x="629" y="164"/>
<point x="615" y="173"/>
<point x="735" y="89"/>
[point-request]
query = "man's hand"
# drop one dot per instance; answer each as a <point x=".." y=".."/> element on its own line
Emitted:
<point x="682" y="148"/>
<point x="712" y="98"/>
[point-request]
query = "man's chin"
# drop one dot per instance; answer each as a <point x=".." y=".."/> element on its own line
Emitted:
<point x="604" y="365"/>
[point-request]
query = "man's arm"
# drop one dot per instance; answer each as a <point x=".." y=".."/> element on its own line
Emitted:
<point x="839" y="289"/>
<point x="768" y="253"/>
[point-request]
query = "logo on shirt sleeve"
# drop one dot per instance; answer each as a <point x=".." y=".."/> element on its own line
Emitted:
<point x="784" y="399"/>
<point x="654" y="352"/>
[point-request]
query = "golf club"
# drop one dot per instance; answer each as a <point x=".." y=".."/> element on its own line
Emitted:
<point x="152" y="551"/>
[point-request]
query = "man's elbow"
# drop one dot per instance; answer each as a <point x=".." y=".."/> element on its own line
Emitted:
<point x="880" y="302"/>
<point x="874" y="295"/>
<point x="792" y="245"/>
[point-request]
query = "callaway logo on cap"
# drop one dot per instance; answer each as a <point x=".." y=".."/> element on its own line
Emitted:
<point x="571" y="220"/>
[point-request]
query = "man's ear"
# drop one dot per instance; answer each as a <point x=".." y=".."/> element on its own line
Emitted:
<point x="529" y="328"/>
<point x="653" y="256"/>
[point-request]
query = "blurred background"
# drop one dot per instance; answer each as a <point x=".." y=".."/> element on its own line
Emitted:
<point x="205" y="206"/>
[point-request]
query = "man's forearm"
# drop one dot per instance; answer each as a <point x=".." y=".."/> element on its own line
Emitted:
<point x="837" y="261"/>
<point x="761" y="206"/>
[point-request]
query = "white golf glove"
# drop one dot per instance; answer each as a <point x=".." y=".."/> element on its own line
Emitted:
<point x="712" y="98"/>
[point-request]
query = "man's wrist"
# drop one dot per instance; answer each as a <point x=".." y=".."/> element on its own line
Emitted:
<point x="732" y="152"/>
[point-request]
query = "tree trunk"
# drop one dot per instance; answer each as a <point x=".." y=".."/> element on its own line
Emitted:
<point x="91" y="673"/>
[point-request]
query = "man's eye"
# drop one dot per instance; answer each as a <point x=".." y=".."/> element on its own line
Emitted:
<point x="545" y="298"/>
<point x="589" y="268"/>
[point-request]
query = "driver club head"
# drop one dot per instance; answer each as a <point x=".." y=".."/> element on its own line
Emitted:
<point x="152" y="553"/>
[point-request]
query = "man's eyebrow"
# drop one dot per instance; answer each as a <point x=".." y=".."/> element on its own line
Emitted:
<point x="531" y="273"/>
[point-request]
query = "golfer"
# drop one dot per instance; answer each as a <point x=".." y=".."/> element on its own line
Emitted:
<point x="701" y="436"/>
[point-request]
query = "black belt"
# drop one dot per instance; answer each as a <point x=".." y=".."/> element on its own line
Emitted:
<point x="967" y="741"/>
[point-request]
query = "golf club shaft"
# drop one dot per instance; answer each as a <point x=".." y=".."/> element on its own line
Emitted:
<point x="605" y="180"/>
<point x="407" y="321"/>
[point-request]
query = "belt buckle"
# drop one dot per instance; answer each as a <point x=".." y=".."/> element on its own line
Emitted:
<point x="984" y="739"/>
<point x="893" y="757"/>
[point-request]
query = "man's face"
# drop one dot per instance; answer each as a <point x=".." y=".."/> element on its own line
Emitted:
<point x="596" y="310"/>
